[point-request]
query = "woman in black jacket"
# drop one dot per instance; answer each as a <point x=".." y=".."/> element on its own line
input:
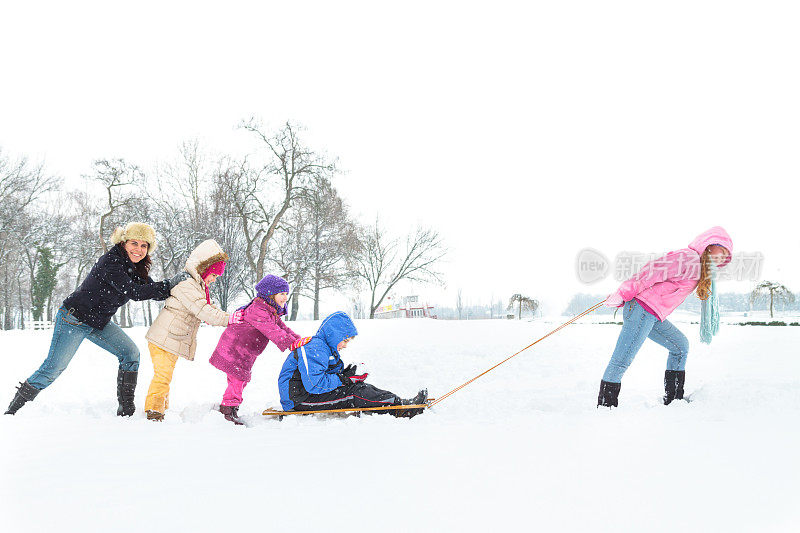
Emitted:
<point x="121" y="274"/>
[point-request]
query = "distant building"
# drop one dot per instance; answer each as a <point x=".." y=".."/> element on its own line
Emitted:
<point x="405" y="307"/>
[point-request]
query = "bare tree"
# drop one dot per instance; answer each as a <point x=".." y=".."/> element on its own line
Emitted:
<point x="523" y="303"/>
<point x="195" y="199"/>
<point x="226" y="228"/>
<point x="776" y="291"/>
<point x="291" y="255"/>
<point x="380" y="264"/>
<point x="22" y="184"/>
<point x="459" y="304"/>
<point x="289" y="170"/>
<point x="11" y="285"/>
<point x="39" y="231"/>
<point x="122" y="182"/>
<point x="315" y="245"/>
<point x="188" y="181"/>
<point x="333" y="240"/>
<point x="180" y="196"/>
<point x="82" y="227"/>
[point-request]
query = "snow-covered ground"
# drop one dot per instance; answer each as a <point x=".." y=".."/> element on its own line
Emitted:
<point x="521" y="449"/>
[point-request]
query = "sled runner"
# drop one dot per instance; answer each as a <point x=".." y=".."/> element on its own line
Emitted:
<point x="279" y="413"/>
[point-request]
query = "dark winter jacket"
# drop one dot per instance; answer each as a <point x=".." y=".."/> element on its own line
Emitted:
<point x="318" y="361"/>
<point x="110" y="284"/>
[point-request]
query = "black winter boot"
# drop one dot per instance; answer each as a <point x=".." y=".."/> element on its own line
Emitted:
<point x="419" y="399"/>
<point x="126" y="389"/>
<point x="609" y="394"/>
<point x="25" y="393"/>
<point x="673" y="385"/>
<point x="231" y="414"/>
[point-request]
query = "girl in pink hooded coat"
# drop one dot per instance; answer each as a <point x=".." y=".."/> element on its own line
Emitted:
<point x="242" y="343"/>
<point x="649" y="297"/>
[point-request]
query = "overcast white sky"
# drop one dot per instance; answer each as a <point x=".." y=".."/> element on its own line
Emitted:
<point x="523" y="132"/>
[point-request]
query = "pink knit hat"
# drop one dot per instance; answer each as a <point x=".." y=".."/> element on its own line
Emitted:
<point x="217" y="268"/>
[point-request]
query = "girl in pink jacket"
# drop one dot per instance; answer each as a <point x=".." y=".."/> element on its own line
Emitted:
<point x="650" y="296"/>
<point x="240" y="344"/>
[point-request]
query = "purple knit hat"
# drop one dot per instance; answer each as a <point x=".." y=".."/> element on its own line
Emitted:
<point x="271" y="285"/>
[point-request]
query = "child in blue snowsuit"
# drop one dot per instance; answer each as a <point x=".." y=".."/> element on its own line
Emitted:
<point x="314" y="377"/>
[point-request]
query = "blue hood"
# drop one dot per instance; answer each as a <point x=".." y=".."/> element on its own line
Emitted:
<point x="336" y="328"/>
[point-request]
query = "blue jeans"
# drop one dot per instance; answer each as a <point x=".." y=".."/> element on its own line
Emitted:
<point x="637" y="326"/>
<point x="68" y="334"/>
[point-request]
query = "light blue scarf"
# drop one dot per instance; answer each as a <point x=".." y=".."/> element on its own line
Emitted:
<point x="709" y="311"/>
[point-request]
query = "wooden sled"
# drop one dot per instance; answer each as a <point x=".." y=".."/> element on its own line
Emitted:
<point x="278" y="412"/>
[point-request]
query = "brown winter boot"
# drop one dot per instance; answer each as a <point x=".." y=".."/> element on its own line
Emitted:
<point x="231" y="413"/>
<point x="155" y="416"/>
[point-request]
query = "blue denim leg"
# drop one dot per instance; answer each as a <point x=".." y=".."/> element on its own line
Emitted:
<point x="68" y="334"/>
<point x="636" y="326"/>
<point x="667" y="335"/>
<point x="113" y="339"/>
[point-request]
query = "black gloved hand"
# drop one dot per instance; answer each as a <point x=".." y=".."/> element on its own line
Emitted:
<point x="344" y="379"/>
<point x="349" y="371"/>
<point x="177" y="278"/>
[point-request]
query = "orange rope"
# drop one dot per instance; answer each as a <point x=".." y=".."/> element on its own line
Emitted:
<point x="519" y="352"/>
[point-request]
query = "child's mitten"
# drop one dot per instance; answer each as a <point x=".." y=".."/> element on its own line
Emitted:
<point x="302" y="341"/>
<point x="237" y="317"/>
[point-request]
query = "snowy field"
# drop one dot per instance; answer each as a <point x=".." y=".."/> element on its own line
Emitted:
<point x="521" y="449"/>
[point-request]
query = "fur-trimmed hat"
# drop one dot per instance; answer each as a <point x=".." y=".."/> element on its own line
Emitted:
<point x="136" y="230"/>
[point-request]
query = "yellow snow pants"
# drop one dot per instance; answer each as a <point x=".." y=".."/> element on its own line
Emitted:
<point x="163" y="366"/>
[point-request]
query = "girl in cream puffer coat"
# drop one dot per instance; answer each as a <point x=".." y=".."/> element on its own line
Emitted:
<point x="174" y="331"/>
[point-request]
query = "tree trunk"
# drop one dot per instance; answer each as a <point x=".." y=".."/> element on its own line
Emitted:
<point x="21" y="308"/>
<point x="125" y="316"/>
<point x="7" y="315"/>
<point x="295" y="306"/>
<point x="519" y="317"/>
<point x="770" y="303"/>
<point x="7" y="321"/>
<point x="224" y="286"/>
<point x="316" y="297"/>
